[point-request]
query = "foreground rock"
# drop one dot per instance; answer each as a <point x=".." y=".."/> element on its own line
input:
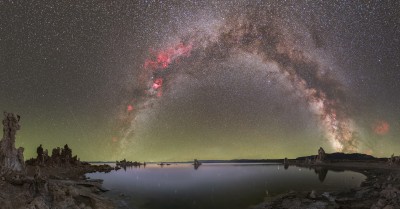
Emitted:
<point x="381" y="190"/>
<point x="394" y="160"/>
<point x="11" y="159"/>
<point x="56" y="186"/>
<point x="49" y="187"/>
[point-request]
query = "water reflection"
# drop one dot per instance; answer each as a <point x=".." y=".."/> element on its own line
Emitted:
<point x="322" y="172"/>
<point x="234" y="186"/>
<point x="319" y="170"/>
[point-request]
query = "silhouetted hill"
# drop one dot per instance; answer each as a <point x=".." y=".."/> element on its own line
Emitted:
<point x="344" y="156"/>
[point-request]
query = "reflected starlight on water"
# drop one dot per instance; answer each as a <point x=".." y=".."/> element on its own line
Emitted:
<point x="216" y="185"/>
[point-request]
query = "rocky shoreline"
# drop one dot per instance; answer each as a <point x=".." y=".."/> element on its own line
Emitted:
<point x="380" y="190"/>
<point x="45" y="182"/>
<point x="56" y="189"/>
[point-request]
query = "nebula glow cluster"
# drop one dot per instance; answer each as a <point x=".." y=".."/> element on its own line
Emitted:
<point x="159" y="80"/>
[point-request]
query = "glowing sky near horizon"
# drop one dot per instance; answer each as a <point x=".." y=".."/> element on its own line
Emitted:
<point x="160" y="80"/>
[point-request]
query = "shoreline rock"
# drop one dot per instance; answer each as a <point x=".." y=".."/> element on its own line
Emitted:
<point x="44" y="183"/>
<point x="50" y="188"/>
<point x="380" y="190"/>
<point x="11" y="158"/>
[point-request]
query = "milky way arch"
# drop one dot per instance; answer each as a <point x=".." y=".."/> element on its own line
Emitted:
<point x="262" y="35"/>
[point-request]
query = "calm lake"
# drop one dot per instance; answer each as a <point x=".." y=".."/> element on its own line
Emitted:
<point x="215" y="185"/>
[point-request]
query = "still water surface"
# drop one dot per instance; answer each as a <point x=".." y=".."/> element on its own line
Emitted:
<point x="228" y="185"/>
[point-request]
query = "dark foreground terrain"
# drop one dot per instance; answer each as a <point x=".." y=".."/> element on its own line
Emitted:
<point x="54" y="187"/>
<point x="381" y="190"/>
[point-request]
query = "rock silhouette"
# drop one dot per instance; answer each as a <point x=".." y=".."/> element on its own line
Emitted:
<point x="394" y="160"/>
<point x="196" y="164"/>
<point x="11" y="159"/>
<point x="59" y="157"/>
<point x="321" y="155"/>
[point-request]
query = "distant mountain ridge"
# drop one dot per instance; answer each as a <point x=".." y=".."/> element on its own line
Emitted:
<point x="330" y="157"/>
<point x="343" y="156"/>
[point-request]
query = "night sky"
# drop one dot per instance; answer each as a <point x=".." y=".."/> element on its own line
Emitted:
<point x="178" y="80"/>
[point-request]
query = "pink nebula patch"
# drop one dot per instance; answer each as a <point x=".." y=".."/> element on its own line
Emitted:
<point x="129" y="108"/>
<point x="163" y="59"/>
<point x="157" y="83"/>
<point x="381" y="127"/>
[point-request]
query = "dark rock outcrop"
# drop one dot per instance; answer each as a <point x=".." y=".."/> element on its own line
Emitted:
<point x="321" y="156"/>
<point x="59" y="157"/>
<point x="339" y="157"/>
<point x="196" y="164"/>
<point x="124" y="163"/>
<point x="11" y="159"/>
<point x="394" y="160"/>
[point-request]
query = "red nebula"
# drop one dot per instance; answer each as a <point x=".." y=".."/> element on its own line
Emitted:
<point x="162" y="59"/>
<point x="157" y="83"/>
<point x="129" y="108"/>
<point x="381" y="127"/>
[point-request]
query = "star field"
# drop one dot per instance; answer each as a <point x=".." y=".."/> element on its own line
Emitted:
<point x="244" y="79"/>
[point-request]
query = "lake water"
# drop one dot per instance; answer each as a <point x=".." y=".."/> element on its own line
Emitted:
<point x="216" y="186"/>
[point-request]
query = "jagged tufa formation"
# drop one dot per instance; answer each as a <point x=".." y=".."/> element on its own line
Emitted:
<point x="11" y="159"/>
